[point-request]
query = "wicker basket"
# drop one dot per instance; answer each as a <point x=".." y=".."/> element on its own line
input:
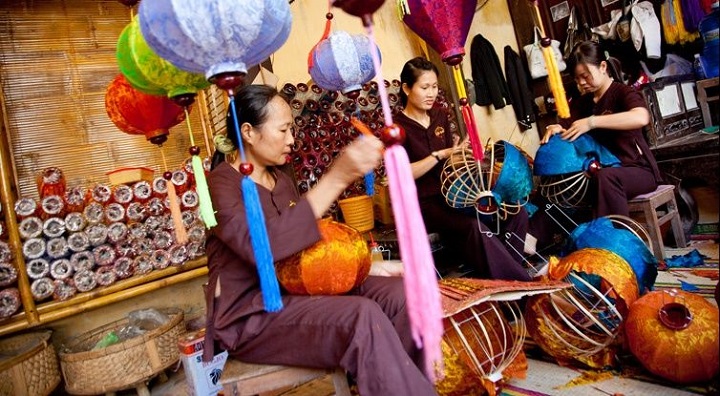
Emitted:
<point x="123" y="365"/>
<point x="28" y="365"/>
<point x="358" y="212"/>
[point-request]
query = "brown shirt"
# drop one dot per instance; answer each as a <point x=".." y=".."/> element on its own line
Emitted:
<point x="629" y="146"/>
<point x="291" y="227"/>
<point x="421" y="141"/>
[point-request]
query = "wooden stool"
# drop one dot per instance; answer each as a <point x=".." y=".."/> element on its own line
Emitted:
<point x="644" y="208"/>
<point x="247" y="379"/>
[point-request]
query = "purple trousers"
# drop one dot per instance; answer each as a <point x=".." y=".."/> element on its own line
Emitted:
<point x="489" y="254"/>
<point x="367" y="333"/>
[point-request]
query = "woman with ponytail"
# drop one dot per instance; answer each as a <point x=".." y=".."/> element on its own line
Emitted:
<point x="366" y="332"/>
<point x="614" y="114"/>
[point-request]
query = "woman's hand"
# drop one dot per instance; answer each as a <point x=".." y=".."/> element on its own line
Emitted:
<point x="358" y="158"/>
<point x="551" y="130"/>
<point x="577" y="128"/>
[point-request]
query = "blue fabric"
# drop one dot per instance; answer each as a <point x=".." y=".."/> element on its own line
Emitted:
<point x="559" y="157"/>
<point x="600" y="233"/>
<point x="692" y="259"/>
<point x="689" y="287"/>
<point x="343" y="62"/>
<point x="514" y="183"/>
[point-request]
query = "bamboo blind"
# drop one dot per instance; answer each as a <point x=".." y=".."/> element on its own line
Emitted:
<point x="56" y="59"/>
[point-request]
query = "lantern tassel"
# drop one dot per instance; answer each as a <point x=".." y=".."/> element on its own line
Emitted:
<point x="554" y="79"/>
<point x="261" y="246"/>
<point x="258" y="232"/>
<point x="421" y="289"/>
<point x="403" y="8"/>
<point x="207" y="213"/>
<point x="370" y="183"/>
<point x="422" y="294"/>
<point x="180" y="234"/>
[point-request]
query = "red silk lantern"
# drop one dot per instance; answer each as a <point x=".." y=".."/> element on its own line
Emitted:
<point x="339" y="262"/>
<point x="137" y="113"/>
<point x="359" y="8"/>
<point x="443" y="24"/>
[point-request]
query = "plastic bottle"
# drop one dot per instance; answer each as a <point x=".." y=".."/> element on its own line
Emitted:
<point x="698" y="68"/>
<point x="709" y="29"/>
<point x="375" y="252"/>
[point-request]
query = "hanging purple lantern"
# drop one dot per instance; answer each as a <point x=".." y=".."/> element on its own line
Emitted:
<point x="215" y="36"/>
<point x="444" y="24"/>
<point x="342" y="62"/>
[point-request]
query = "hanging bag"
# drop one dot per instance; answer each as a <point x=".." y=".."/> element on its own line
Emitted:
<point x="623" y="26"/>
<point x="536" y="62"/>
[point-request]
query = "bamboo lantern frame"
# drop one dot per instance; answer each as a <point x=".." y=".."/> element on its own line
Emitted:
<point x="208" y="118"/>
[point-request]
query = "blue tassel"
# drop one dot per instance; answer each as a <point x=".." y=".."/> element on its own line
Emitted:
<point x="370" y="183"/>
<point x="261" y="246"/>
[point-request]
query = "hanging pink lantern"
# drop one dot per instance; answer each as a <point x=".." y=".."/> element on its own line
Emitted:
<point x="215" y="36"/>
<point x="342" y="62"/>
<point x="443" y="24"/>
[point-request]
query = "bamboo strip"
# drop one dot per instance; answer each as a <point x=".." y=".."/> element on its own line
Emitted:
<point x="7" y="197"/>
<point x="102" y="301"/>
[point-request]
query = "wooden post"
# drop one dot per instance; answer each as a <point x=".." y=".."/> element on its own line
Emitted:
<point x="7" y="199"/>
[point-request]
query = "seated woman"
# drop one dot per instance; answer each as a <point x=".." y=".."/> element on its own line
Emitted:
<point x="614" y="115"/>
<point x="366" y="332"/>
<point x="429" y="142"/>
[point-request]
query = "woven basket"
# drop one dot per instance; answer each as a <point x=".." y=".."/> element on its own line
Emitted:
<point x="358" y="212"/>
<point x="28" y="365"/>
<point x="123" y="365"/>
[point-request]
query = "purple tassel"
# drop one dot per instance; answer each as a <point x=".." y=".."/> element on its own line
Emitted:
<point x="692" y="14"/>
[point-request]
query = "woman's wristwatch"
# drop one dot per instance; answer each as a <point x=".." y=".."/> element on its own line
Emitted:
<point x="436" y="155"/>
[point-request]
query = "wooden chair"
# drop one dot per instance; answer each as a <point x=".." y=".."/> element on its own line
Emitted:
<point x="644" y="209"/>
<point x="246" y="379"/>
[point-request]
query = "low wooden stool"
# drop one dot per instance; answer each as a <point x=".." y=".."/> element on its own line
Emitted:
<point x="644" y="208"/>
<point x="247" y="379"/>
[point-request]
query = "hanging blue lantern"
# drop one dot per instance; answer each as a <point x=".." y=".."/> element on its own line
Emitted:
<point x="342" y="62"/>
<point x="215" y="36"/>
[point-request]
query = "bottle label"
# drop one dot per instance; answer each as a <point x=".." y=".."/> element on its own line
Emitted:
<point x="711" y="35"/>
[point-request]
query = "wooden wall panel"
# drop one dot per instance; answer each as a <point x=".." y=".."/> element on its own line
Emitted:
<point x="56" y="59"/>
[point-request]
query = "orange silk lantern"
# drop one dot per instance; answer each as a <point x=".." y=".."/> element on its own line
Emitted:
<point x="336" y="264"/>
<point x="674" y="334"/>
<point x="138" y="113"/>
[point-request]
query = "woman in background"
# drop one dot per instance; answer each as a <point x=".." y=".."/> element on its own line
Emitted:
<point x="429" y="142"/>
<point x="366" y="332"/>
<point x="614" y="115"/>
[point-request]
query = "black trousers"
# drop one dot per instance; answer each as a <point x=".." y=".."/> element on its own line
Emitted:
<point x="611" y="188"/>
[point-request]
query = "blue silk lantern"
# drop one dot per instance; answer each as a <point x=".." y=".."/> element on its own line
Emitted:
<point x="342" y="62"/>
<point x="148" y="72"/>
<point x="601" y="233"/>
<point x="222" y="39"/>
<point x="215" y="36"/>
<point x="565" y="168"/>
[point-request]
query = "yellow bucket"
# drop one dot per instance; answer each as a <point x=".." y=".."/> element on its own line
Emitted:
<point x="358" y="212"/>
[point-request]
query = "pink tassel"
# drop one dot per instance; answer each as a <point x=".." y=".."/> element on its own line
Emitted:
<point x="421" y="288"/>
<point x="472" y="131"/>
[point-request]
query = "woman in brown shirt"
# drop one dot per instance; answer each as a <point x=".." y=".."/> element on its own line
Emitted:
<point x="614" y="115"/>
<point x="429" y="142"/>
<point x="366" y="332"/>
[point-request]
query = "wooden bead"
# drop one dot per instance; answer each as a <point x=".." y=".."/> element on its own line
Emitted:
<point x="194" y="150"/>
<point x="167" y="175"/>
<point x="393" y="134"/>
<point x="246" y="168"/>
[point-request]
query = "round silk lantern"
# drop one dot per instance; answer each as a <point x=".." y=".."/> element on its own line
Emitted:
<point x="565" y="168"/>
<point x="601" y="233"/>
<point x="501" y="181"/>
<point x="342" y="62"/>
<point x="148" y="72"/>
<point x="138" y="113"/>
<point x="339" y="262"/>
<point x="674" y="334"/>
<point x="215" y="36"/>
<point x="443" y="24"/>
<point x="582" y="323"/>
